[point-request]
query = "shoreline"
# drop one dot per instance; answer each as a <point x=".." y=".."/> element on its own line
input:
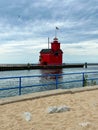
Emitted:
<point x="38" y="95"/>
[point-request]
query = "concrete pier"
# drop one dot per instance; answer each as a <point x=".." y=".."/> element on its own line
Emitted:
<point x="9" y="67"/>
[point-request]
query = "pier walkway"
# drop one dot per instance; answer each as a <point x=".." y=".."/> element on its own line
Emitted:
<point x="46" y="94"/>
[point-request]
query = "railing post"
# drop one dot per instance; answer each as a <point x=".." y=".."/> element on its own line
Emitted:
<point x="83" y="80"/>
<point x="19" y="85"/>
<point x="56" y="81"/>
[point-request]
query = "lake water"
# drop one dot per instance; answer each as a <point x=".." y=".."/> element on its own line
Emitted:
<point x="40" y="80"/>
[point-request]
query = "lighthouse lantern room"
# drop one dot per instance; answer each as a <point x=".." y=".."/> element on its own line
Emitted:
<point x="51" y="56"/>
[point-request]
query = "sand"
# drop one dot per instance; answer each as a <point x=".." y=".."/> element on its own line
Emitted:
<point x="83" y="114"/>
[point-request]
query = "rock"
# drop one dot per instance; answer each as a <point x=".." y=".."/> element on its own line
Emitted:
<point x="27" y="116"/>
<point x="63" y="109"/>
<point x="55" y="109"/>
<point x="84" y="124"/>
<point x="52" y="109"/>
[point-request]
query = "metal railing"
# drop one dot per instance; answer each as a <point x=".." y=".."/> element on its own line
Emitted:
<point x="55" y="80"/>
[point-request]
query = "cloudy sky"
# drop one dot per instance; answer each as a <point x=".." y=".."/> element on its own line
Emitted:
<point x="25" y="26"/>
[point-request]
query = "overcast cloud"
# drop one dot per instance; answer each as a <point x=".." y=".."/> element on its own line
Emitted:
<point x="25" y="26"/>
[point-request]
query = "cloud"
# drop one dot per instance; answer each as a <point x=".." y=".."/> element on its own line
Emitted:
<point x="81" y="52"/>
<point x="25" y="26"/>
<point x="83" y="48"/>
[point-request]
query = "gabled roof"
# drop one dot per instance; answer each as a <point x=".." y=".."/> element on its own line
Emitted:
<point x="45" y="51"/>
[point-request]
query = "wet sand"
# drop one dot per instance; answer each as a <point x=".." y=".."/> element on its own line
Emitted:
<point x="83" y="114"/>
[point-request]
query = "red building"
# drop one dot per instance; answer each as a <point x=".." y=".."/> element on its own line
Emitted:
<point x="51" y="56"/>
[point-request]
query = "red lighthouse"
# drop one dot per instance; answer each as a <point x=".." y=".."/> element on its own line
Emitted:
<point x="51" y="56"/>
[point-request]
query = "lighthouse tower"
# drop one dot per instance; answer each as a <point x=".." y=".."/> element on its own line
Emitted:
<point x="51" y="56"/>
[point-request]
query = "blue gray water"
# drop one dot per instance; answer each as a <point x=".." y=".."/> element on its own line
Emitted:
<point x="40" y="80"/>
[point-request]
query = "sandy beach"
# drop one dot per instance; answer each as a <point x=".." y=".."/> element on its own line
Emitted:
<point x="83" y="113"/>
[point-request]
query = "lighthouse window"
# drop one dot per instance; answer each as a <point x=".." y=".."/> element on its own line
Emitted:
<point x="56" y="53"/>
<point x="44" y="63"/>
